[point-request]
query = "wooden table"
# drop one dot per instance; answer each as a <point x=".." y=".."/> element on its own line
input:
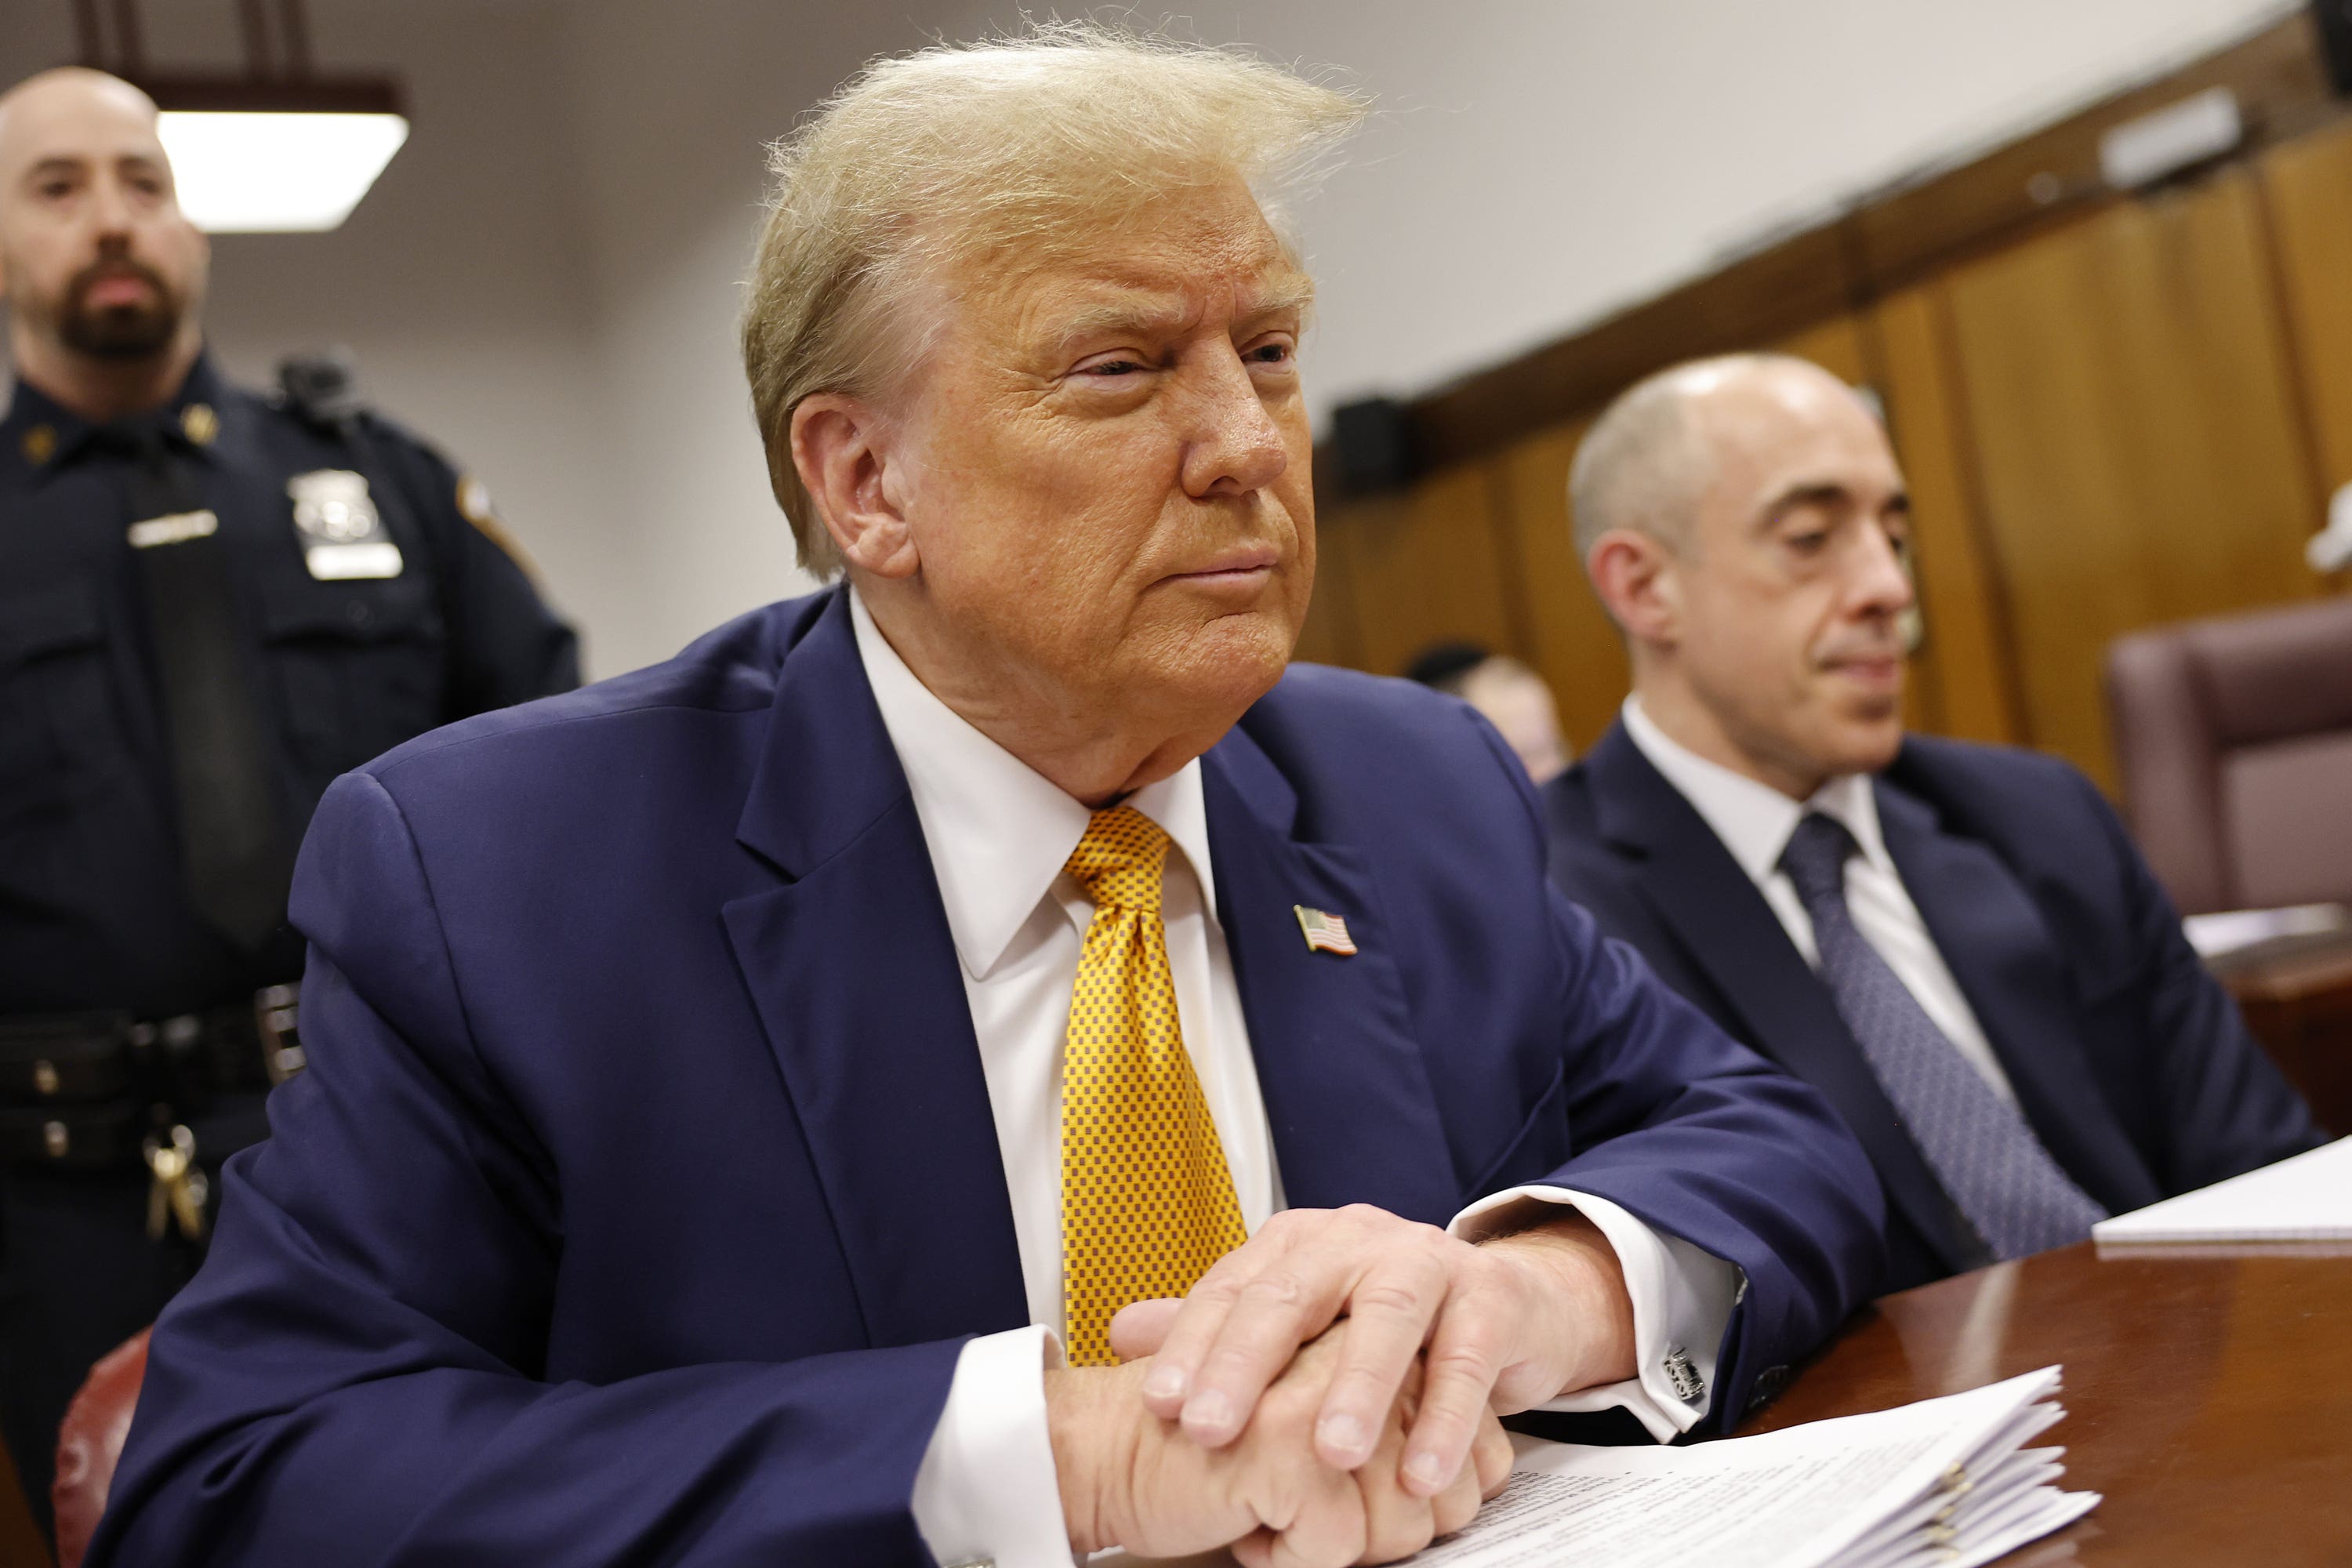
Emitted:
<point x="2297" y="997"/>
<point x="2209" y="1397"/>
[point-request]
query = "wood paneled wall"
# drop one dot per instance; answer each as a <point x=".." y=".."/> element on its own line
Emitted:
<point x="2130" y="413"/>
<point x="2137" y="438"/>
<point x="2307" y="192"/>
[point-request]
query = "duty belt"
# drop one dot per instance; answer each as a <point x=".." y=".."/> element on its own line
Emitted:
<point x="88" y="1091"/>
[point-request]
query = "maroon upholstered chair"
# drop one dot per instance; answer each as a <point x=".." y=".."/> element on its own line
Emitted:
<point x="91" y="1441"/>
<point x="2235" y="737"/>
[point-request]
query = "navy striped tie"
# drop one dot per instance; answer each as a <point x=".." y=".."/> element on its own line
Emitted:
<point x="2003" y="1181"/>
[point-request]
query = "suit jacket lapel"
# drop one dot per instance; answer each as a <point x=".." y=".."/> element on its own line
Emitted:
<point x="852" y="969"/>
<point x="1997" y="945"/>
<point x="1701" y="894"/>
<point x="1346" y="1094"/>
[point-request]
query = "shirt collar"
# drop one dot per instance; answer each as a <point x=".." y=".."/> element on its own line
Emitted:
<point x="1754" y="820"/>
<point x="63" y="431"/>
<point x="999" y="832"/>
<point x="204" y="384"/>
<point x="39" y="427"/>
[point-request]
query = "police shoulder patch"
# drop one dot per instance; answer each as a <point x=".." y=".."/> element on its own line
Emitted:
<point x="473" y="501"/>
<point x="475" y="506"/>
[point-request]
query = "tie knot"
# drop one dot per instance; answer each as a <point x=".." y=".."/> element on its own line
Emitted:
<point x="1816" y="857"/>
<point x="1117" y="862"/>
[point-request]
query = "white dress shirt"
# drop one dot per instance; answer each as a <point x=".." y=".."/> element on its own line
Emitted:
<point x="1755" y="821"/>
<point x="999" y="834"/>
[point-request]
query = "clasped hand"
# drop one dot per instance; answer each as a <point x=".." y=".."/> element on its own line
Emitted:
<point x="1328" y="1392"/>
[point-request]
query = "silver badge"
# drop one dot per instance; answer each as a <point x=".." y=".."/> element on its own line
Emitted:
<point x="342" y="536"/>
<point x="1689" y="1387"/>
<point x="332" y="506"/>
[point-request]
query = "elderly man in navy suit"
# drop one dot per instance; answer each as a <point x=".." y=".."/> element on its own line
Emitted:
<point x="757" y="1103"/>
<point x="1955" y="944"/>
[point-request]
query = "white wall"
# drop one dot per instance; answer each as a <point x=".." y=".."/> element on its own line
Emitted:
<point x="544" y="280"/>
<point x="674" y="105"/>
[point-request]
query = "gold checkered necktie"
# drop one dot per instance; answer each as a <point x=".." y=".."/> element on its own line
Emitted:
<point x="1146" y="1201"/>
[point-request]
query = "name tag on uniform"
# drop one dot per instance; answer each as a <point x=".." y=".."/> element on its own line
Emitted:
<point x="343" y="536"/>
<point x="177" y="529"/>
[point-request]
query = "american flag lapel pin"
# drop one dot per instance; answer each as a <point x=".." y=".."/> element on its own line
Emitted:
<point x="1325" y="931"/>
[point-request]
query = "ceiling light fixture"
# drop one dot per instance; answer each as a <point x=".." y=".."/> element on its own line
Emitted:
<point x="278" y="150"/>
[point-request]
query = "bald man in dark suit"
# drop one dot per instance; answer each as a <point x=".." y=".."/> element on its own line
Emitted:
<point x="1958" y="944"/>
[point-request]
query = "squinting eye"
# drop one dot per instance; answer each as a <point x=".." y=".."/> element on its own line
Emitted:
<point x="1114" y="367"/>
<point x="1806" y="543"/>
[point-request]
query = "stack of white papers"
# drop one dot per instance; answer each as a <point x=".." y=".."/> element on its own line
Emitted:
<point x="2306" y="1198"/>
<point x="2219" y="936"/>
<point x="2241" y="931"/>
<point x="1947" y="1482"/>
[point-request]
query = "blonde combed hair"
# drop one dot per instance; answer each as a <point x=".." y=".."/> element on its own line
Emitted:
<point x="1013" y="149"/>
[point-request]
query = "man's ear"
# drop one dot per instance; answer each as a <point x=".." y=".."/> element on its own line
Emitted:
<point x="1639" y="585"/>
<point x="841" y="447"/>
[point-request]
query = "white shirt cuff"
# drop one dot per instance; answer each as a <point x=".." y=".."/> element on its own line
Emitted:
<point x="987" y="1490"/>
<point x="1683" y="1299"/>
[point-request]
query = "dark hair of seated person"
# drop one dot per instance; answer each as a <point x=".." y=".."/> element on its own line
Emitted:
<point x="1444" y="663"/>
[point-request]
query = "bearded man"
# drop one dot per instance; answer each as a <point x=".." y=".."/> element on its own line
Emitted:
<point x="210" y="604"/>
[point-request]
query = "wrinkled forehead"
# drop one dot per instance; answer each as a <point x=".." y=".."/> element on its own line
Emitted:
<point x="76" y="122"/>
<point x="1788" y="430"/>
<point x="1199" y="255"/>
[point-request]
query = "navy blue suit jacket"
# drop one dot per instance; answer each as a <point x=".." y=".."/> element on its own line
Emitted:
<point x="2131" y="1062"/>
<point x="644" y="1185"/>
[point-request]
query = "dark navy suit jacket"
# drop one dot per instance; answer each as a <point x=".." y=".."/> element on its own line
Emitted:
<point x="644" y="1185"/>
<point x="2131" y="1062"/>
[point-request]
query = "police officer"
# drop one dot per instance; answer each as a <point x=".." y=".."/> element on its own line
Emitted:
<point x="211" y="604"/>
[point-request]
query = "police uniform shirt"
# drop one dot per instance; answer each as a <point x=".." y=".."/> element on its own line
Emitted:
<point x="349" y="655"/>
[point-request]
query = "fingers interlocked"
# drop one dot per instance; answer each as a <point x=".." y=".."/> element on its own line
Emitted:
<point x="1367" y="1515"/>
<point x="1413" y="1298"/>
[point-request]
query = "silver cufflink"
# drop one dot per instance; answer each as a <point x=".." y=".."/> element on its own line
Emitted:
<point x="1689" y="1387"/>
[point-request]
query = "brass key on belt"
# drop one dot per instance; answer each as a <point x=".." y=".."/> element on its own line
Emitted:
<point x="178" y="1191"/>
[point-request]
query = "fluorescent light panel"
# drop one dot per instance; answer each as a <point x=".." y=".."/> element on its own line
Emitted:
<point x="276" y="173"/>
